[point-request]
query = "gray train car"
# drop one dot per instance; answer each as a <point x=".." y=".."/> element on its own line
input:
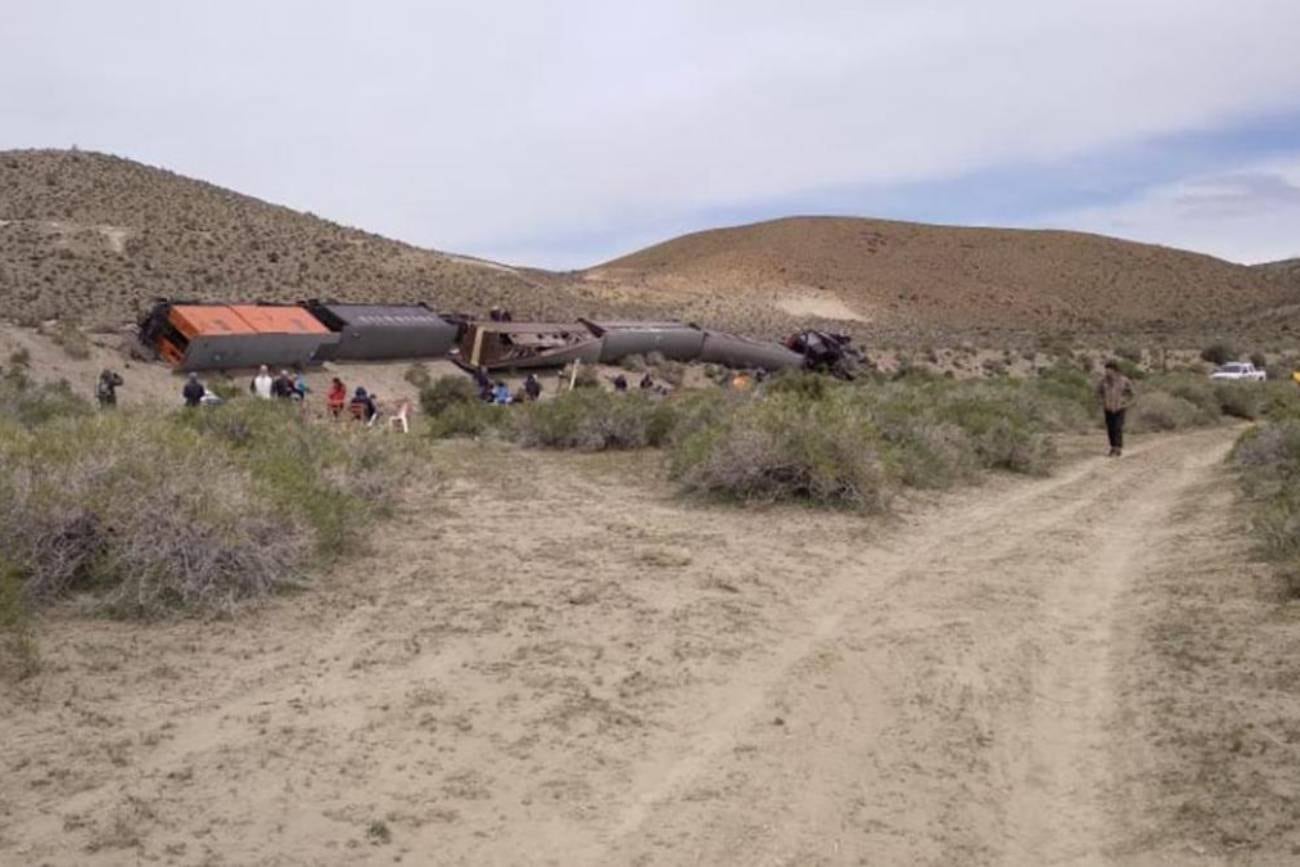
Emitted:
<point x="678" y="341"/>
<point x="729" y="350"/>
<point x="379" y="332"/>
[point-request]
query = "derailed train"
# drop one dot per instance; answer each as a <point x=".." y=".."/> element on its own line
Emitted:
<point x="206" y="336"/>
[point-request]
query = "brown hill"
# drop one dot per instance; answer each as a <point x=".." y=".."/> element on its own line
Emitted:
<point x="904" y="276"/>
<point x="97" y="237"/>
<point x="1285" y="269"/>
<point x="100" y="236"/>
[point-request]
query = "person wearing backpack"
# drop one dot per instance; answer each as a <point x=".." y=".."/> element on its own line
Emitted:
<point x="106" y="388"/>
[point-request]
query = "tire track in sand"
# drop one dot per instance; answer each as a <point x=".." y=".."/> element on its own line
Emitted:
<point x="951" y="706"/>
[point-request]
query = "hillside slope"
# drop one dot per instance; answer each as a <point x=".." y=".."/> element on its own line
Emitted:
<point x="910" y="275"/>
<point x="1286" y="269"/>
<point x="97" y="237"/>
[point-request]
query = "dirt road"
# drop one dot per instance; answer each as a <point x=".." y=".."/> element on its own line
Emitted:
<point x="554" y="661"/>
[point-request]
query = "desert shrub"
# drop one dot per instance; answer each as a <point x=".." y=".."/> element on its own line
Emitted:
<point x="446" y="391"/>
<point x="595" y="420"/>
<point x="586" y="377"/>
<point x="1259" y="359"/>
<point x="1005" y="434"/>
<point x="635" y="363"/>
<point x="30" y="404"/>
<point x="930" y="454"/>
<point x="19" y="653"/>
<point x="1071" y="391"/>
<point x="20" y="357"/>
<point x="1273" y="449"/>
<point x="718" y="374"/>
<point x="472" y="418"/>
<point x="1244" y="400"/>
<point x="1281" y="369"/>
<point x="196" y="512"/>
<point x="417" y="375"/>
<point x="335" y="480"/>
<point x="786" y="448"/>
<point x="1219" y="352"/>
<point x="994" y="367"/>
<point x="1129" y="353"/>
<point x="1160" y="411"/>
<point x="1129" y="369"/>
<point x="226" y="389"/>
<point x="72" y="340"/>
<point x="671" y="372"/>
<point x="803" y="383"/>
<point x="1196" y="390"/>
<point x="1267" y="460"/>
<point x="146" y="521"/>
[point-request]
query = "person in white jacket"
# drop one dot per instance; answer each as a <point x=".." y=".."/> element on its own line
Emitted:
<point x="261" y="384"/>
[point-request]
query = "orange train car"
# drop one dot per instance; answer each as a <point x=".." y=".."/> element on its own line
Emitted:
<point x="202" y="336"/>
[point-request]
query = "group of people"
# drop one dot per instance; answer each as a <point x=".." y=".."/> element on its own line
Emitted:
<point x="498" y="393"/>
<point x="1115" y="392"/>
<point x="620" y="383"/>
<point x="284" y="386"/>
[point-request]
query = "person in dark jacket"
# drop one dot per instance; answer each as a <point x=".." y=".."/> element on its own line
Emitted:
<point x="1115" y="391"/>
<point x="106" y="388"/>
<point x="647" y="382"/>
<point x="620" y="383"/>
<point x="282" y="387"/>
<point x="532" y="387"/>
<point x="193" y="391"/>
<point x="362" y="406"/>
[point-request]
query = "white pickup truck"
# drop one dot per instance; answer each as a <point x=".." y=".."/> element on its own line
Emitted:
<point x="1238" y="371"/>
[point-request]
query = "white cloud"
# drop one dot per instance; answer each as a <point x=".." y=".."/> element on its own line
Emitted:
<point x="482" y="125"/>
<point x="1250" y="214"/>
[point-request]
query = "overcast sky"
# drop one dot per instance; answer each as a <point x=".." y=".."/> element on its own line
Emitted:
<point x="563" y="133"/>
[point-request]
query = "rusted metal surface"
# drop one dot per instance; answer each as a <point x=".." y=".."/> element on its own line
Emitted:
<point x="522" y="345"/>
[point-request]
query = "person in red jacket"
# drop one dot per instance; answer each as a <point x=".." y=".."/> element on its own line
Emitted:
<point x="337" y="397"/>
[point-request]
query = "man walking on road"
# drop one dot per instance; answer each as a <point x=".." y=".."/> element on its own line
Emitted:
<point x="1116" y="393"/>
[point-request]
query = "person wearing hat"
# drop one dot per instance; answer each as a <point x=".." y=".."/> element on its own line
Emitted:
<point x="1115" y="391"/>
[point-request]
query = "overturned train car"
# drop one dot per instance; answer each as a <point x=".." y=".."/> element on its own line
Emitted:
<point x="375" y="332"/>
<point x="207" y="336"/>
<point x="524" y="345"/>
<point x="212" y="336"/>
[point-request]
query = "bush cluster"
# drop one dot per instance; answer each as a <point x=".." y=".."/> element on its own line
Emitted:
<point x="144" y="515"/>
<point x="1267" y="460"/>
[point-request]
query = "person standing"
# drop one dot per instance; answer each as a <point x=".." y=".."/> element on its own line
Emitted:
<point x="193" y="391"/>
<point x="1115" y="391"/>
<point x="261" y="384"/>
<point x="532" y="387"/>
<point x="337" y="397"/>
<point x="106" y="388"/>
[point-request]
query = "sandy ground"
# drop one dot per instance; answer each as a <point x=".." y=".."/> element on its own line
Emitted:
<point x="550" y="659"/>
